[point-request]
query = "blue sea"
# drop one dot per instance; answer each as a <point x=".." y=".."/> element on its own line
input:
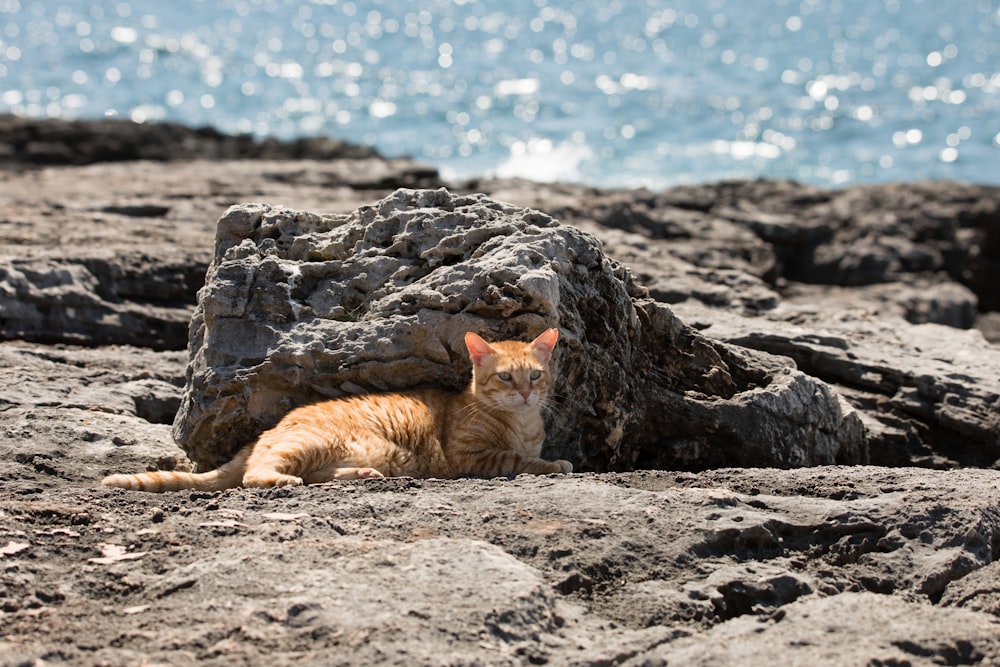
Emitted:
<point x="615" y="93"/>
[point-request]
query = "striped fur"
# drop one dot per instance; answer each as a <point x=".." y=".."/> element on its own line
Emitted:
<point x="494" y="427"/>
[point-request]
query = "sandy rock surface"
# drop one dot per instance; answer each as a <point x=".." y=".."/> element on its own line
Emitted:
<point x="829" y="565"/>
<point x="866" y="293"/>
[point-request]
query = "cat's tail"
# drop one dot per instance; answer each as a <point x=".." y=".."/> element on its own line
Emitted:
<point x="226" y="476"/>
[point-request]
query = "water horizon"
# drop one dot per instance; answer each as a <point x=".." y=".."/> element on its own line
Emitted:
<point x="611" y="94"/>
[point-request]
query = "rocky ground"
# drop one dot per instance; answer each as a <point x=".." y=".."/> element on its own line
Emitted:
<point x="884" y="294"/>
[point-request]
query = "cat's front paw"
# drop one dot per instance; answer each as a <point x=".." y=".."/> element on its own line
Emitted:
<point x="560" y="466"/>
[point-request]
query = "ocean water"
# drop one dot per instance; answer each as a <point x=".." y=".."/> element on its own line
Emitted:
<point x="613" y="93"/>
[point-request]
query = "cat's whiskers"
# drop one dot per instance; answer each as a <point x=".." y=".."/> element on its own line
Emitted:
<point x="470" y="410"/>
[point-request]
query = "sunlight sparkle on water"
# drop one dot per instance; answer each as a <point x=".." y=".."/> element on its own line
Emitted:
<point x="616" y="93"/>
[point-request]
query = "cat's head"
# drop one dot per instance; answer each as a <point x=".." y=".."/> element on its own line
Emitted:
<point x="510" y="375"/>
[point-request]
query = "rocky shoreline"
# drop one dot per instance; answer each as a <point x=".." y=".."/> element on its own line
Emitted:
<point x="883" y="297"/>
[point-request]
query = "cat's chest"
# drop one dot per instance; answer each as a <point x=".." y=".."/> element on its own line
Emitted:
<point x="527" y="435"/>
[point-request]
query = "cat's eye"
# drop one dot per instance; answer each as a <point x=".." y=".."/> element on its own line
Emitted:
<point x="506" y="377"/>
<point x="535" y="375"/>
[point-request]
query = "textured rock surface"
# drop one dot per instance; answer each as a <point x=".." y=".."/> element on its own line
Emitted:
<point x="929" y="252"/>
<point x="297" y="307"/>
<point x="908" y="634"/>
<point x="114" y="253"/>
<point x="827" y="565"/>
<point x="929" y="394"/>
<point x="822" y="566"/>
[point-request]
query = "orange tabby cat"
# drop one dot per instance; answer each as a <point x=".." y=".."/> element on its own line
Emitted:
<point x="494" y="427"/>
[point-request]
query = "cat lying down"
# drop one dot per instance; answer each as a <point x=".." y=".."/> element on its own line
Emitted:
<point x="493" y="427"/>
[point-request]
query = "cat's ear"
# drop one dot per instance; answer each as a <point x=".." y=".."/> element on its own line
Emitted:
<point x="544" y="344"/>
<point x="479" y="349"/>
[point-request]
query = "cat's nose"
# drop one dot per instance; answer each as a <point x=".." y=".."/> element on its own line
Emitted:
<point x="525" y="395"/>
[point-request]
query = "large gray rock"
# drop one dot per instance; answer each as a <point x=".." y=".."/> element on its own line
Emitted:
<point x="299" y="306"/>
